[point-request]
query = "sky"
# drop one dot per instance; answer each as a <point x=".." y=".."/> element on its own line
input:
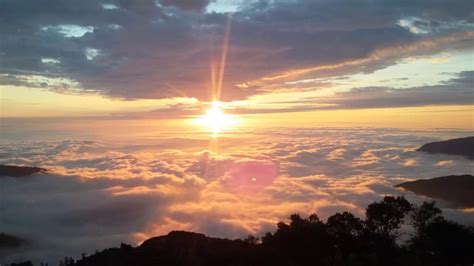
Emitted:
<point x="222" y="116"/>
<point x="172" y="58"/>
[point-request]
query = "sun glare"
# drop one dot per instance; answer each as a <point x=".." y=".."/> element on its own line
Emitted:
<point x="215" y="120"/>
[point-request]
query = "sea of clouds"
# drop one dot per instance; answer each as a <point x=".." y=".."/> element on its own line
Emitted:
<point x="99" y="193"/>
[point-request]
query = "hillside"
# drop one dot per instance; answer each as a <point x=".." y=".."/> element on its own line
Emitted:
<point x="460" y="146"/>
<point x="19" y="171"/>
<point x="9" y="241"/>
<point x="456" y="190"/>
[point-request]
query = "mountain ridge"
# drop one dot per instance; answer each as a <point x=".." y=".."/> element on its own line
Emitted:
<point x="459" y="146"/>
<point x="19" y="171"/>
<point x="455" y="189"/>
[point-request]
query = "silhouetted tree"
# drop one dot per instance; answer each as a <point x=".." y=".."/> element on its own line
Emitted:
<point x="343" y="240"/>
<point x="387" y="216"/>
<point x="67" y="261"/>
<point x="304" y="241"/>
<point x="383" y="219"/>
<point x="450" y="243"/>
<point x="346" y="229"/>
<point x="441" y="242"/>
<point x="425" y="214"/>
<point x="250" y="239"/>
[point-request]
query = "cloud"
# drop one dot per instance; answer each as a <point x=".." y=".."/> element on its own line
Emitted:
<point x="456" y="91"/>
<point x="141" y="49"/>
<point x="186" y="4"/>
<point x="377" y="58"/>
<point x="102" y="193"/>
<point x="446" y="163"/>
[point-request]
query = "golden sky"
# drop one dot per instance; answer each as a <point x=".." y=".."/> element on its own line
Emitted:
<point x="282" y="107"/>
<point x="403" y="73"/>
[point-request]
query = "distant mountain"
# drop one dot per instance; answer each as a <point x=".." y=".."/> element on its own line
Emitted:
<point x="9" y="241"/>
<point x="176" y="248"/>
<point x="456" y="189"/>
<point x="19" y="171"/>
<point x="461" y="146"/>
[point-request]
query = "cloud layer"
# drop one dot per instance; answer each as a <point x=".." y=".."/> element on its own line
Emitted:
<point x="103" y="193"/>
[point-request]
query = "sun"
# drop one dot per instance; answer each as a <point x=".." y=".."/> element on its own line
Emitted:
<point x="215" y="120"/>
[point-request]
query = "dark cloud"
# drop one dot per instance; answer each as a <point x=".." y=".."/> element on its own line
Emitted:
<point x="186" y="4"/>
<point x="141" y="49"/>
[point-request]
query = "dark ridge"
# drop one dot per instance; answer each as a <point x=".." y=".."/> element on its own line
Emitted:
<point x="176" y="248"/>
<point x="19" y="171"/>
<point x="455" y="189"/>
<point x="461" y="146"/>
<point x="9" y="241"/>
<point x="343" y="239"/>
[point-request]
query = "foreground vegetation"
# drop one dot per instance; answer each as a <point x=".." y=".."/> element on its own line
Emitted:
<point x="342" y="240"/>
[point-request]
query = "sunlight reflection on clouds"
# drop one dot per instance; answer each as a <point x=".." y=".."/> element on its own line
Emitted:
<point x="107" y="193"/>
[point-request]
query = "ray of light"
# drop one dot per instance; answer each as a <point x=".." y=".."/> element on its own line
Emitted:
<point x="218" y="89"/>
<point x="215" y="118"/>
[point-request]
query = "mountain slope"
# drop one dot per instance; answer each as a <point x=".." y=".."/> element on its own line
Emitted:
<point x="176" y="248"/>
<point x="19" y="171"/>
<point x="9" y="241"/>
<point x="456" y="189"/>
<point x="461" y="146"/>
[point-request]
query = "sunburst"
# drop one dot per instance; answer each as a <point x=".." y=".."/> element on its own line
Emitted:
<point x="215" y="120"/>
